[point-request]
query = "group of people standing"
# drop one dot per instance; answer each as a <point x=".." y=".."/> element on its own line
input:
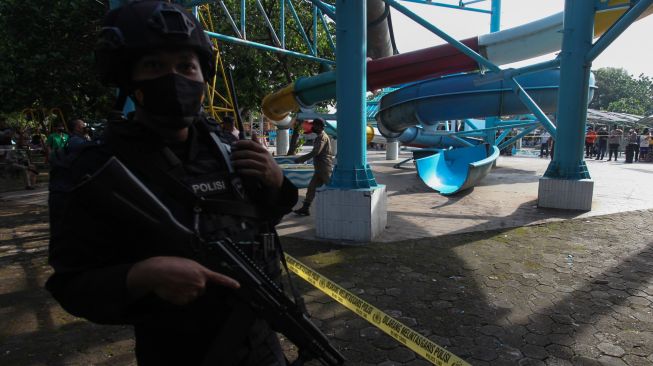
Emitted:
<point x="636" y="149"/>
<point x="17" y="147"/>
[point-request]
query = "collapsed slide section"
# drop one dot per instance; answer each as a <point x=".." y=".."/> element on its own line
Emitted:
<point x="452" y="171"/>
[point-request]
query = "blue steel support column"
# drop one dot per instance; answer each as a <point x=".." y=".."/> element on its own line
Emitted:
<point x="495" y="18"/>
<point x="568" y="160"/>
<point x="352" y="170"/>
<point x="491" y="134"/>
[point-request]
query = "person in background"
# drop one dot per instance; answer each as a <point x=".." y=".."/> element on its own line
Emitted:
<point x="636" y="145"/>
<point x="544" y="143"/>
<point x="19" y="161"/>
<point x="590" y="139"/>
<point x="322" y="161"/>
<point x="229" y="128"/>
<point x="614" y="140"/>
<point x="631" y="145"/>
<point x="36" y="141"/>
<point x="644" y="143"/>
<point x="602" y="137"/>
<point x="56" y="141"/>
<point x="78" y="136"/>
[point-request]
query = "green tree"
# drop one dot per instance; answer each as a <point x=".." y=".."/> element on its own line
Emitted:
<point x="47" y="49"/>
<point x="618" y="91"/>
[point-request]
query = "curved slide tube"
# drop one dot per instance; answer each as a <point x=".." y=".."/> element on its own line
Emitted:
<point x="463" y="96"/>
<point x="452" y="171"/>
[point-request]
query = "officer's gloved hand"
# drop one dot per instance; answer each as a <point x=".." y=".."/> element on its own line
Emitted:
<point x="174" y="279"/>
<point x="251" y="159"/>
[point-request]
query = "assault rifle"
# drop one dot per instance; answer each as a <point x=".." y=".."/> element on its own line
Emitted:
<point x="115" y="188"/>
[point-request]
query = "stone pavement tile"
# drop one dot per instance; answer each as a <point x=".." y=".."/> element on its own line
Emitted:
<point x="633" y="360"/>
<point x="385" y="342"/>
<point x="370" y="354"/>
<point x="611" y="349"/>
<point x="418" y="362"/>
<point x="611" y="361"/>
<point x="492" y="330"/>
<point x="535" y="352"/>
<point x="636" y="342"/>
<point x="560" y="351"/>
<point x="483" y="353"/>
<point x="370" y="333"/>
<point x="554" y="361"/>
<point x="561" y="339"/>
<point x="531" y="362"/>
<point x="537" y="339"/>
<point x="585" y="361"/>
<point x="401" y="354"/>
<point x="389" y="363"/>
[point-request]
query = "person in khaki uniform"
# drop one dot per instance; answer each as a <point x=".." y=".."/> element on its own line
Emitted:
<point x="322" y="161"/>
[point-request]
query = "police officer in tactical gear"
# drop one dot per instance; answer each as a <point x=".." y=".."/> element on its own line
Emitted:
<point x="111" y="269"/>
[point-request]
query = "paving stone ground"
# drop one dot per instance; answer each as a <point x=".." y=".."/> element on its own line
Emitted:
<point x="576" y="292"/>
<point x="486" y="274"/>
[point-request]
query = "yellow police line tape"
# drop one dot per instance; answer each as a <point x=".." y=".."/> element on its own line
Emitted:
<point x="394" y="328"/>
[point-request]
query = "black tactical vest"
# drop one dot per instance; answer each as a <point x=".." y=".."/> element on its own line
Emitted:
<point x="203" y="189"/>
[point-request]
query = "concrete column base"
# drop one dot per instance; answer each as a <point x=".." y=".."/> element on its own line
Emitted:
<point x="565" y="194"/>
<point x="392" y="150"/>
<point x="357" y="215"/>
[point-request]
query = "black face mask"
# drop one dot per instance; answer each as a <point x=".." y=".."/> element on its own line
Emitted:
<point x="171" y="101"/>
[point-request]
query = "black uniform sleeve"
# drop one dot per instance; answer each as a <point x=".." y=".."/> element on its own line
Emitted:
<point x="275" y="205"/>
<point x="89" y="258"/>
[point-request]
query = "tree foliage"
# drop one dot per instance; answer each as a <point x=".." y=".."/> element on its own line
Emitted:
<point x="47" y="56"/>
<point x="618" y="91"/>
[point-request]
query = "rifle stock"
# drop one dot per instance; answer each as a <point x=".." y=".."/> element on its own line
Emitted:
<point x="115" y="188"/>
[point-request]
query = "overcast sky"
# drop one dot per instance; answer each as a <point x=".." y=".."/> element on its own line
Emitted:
<point x="631" y="51"/>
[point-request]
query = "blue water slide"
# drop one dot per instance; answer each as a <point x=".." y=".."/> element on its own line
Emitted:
<point x="463" y="96"/>
<point x="454" y="170"/>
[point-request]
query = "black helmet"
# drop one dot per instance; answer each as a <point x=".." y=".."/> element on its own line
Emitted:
<point x="132" y="30"/>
